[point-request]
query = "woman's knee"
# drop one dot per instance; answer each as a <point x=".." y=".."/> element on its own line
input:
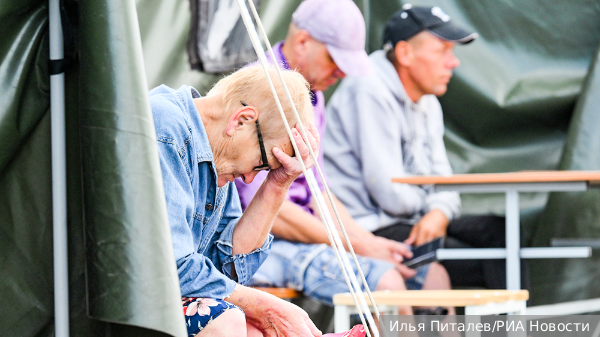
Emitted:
<point x="230" y="323"/>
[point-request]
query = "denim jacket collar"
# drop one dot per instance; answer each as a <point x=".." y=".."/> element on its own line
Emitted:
<point x="186" y="95"/>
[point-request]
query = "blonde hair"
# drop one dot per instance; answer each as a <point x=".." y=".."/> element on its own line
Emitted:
<point x="249" y="85"/>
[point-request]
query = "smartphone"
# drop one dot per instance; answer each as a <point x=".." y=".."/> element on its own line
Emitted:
<point x="425" y="253"/>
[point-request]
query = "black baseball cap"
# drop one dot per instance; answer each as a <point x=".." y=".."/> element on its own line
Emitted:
<point x="412" y="20"/>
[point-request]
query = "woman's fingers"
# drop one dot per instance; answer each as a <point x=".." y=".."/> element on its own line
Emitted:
<point x="285" y="160"/>
<point x="314" y="138"/>
<point x="302" y="148"/>
<point x="291" y="166"/>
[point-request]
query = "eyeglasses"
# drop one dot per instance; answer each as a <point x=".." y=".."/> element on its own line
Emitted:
<point x="263" y="153"/>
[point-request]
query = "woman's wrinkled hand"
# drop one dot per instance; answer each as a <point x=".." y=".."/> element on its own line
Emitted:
<point x="275" y="317"/>
<point x="290" y="166"/>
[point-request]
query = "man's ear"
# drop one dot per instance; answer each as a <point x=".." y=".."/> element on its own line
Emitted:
<point x="244" y="116"/>
<point x="300" y="42"/>
<point x="404" y="53"/>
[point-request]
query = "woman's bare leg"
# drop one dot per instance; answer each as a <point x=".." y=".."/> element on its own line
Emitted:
<point x="231" y="323"/>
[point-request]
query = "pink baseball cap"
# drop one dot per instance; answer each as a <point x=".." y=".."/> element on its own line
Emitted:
<point x="338" y="24"/>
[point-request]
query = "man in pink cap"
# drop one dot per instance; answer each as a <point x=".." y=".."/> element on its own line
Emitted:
<point x="326" y="41"/>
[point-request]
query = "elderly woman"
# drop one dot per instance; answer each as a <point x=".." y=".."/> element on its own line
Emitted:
<point x="205" y="143"/>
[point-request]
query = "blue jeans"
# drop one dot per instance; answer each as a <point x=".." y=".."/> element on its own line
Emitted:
<point x="314" y="270"/>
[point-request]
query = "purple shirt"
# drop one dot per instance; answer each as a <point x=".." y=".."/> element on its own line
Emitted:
<point x="299" y="192"/>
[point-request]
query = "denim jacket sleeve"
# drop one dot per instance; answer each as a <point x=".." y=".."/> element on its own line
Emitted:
<point x="245" y="264"/>
<point x="198" y="276"/>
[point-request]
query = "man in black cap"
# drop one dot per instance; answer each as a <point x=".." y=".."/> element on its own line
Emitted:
<point x="390" y="124"/>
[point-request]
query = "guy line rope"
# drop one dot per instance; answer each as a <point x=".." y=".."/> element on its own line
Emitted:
<point x="332" y="233"/>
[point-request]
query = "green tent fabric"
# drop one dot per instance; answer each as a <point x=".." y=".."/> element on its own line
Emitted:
<point x="130" y="260"/>
<point x="524" y="97"/>
<point x="25" y="181"/>
<point x="574" y="215"/>
<point x="122" y="272"/>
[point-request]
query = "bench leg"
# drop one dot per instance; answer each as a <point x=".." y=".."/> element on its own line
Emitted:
<point x="341" y="318"/>
<point x="521" y="308"/>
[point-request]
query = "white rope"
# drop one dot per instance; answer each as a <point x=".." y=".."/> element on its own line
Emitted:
<point x="317" y="166"/>
<point x="322" y="207"/>
<point x="338" y="247"/>
<point x="264" y="63"/>
<point x="321" y="175"/>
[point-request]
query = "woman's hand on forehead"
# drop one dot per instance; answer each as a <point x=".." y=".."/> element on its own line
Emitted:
<point x="290" y="167"/>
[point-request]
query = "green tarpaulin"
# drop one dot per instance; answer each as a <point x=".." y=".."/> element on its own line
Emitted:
<point x="121" y="264"/>
<point x="526" y="97"/>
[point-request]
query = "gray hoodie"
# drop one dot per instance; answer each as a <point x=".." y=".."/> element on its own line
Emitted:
<point x="375" y="132"/>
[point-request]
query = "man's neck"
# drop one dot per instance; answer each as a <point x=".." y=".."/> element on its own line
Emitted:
<point x="288" y="54"/>
<point x="412" y="91"/>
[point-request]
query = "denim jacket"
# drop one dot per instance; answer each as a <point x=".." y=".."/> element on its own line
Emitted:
<point x="202" y="216"/>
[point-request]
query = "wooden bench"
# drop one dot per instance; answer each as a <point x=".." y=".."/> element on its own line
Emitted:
<point x="283" y="293"/>
<point x="476" y="302"/>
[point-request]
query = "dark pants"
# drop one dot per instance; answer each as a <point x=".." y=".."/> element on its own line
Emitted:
<point x="470" y="232"/>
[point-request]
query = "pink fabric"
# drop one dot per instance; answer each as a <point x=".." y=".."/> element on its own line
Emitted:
<point x="357" y="331"/>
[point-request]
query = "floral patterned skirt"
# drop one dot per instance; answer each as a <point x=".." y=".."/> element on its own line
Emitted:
<point x="200" y="311"/>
